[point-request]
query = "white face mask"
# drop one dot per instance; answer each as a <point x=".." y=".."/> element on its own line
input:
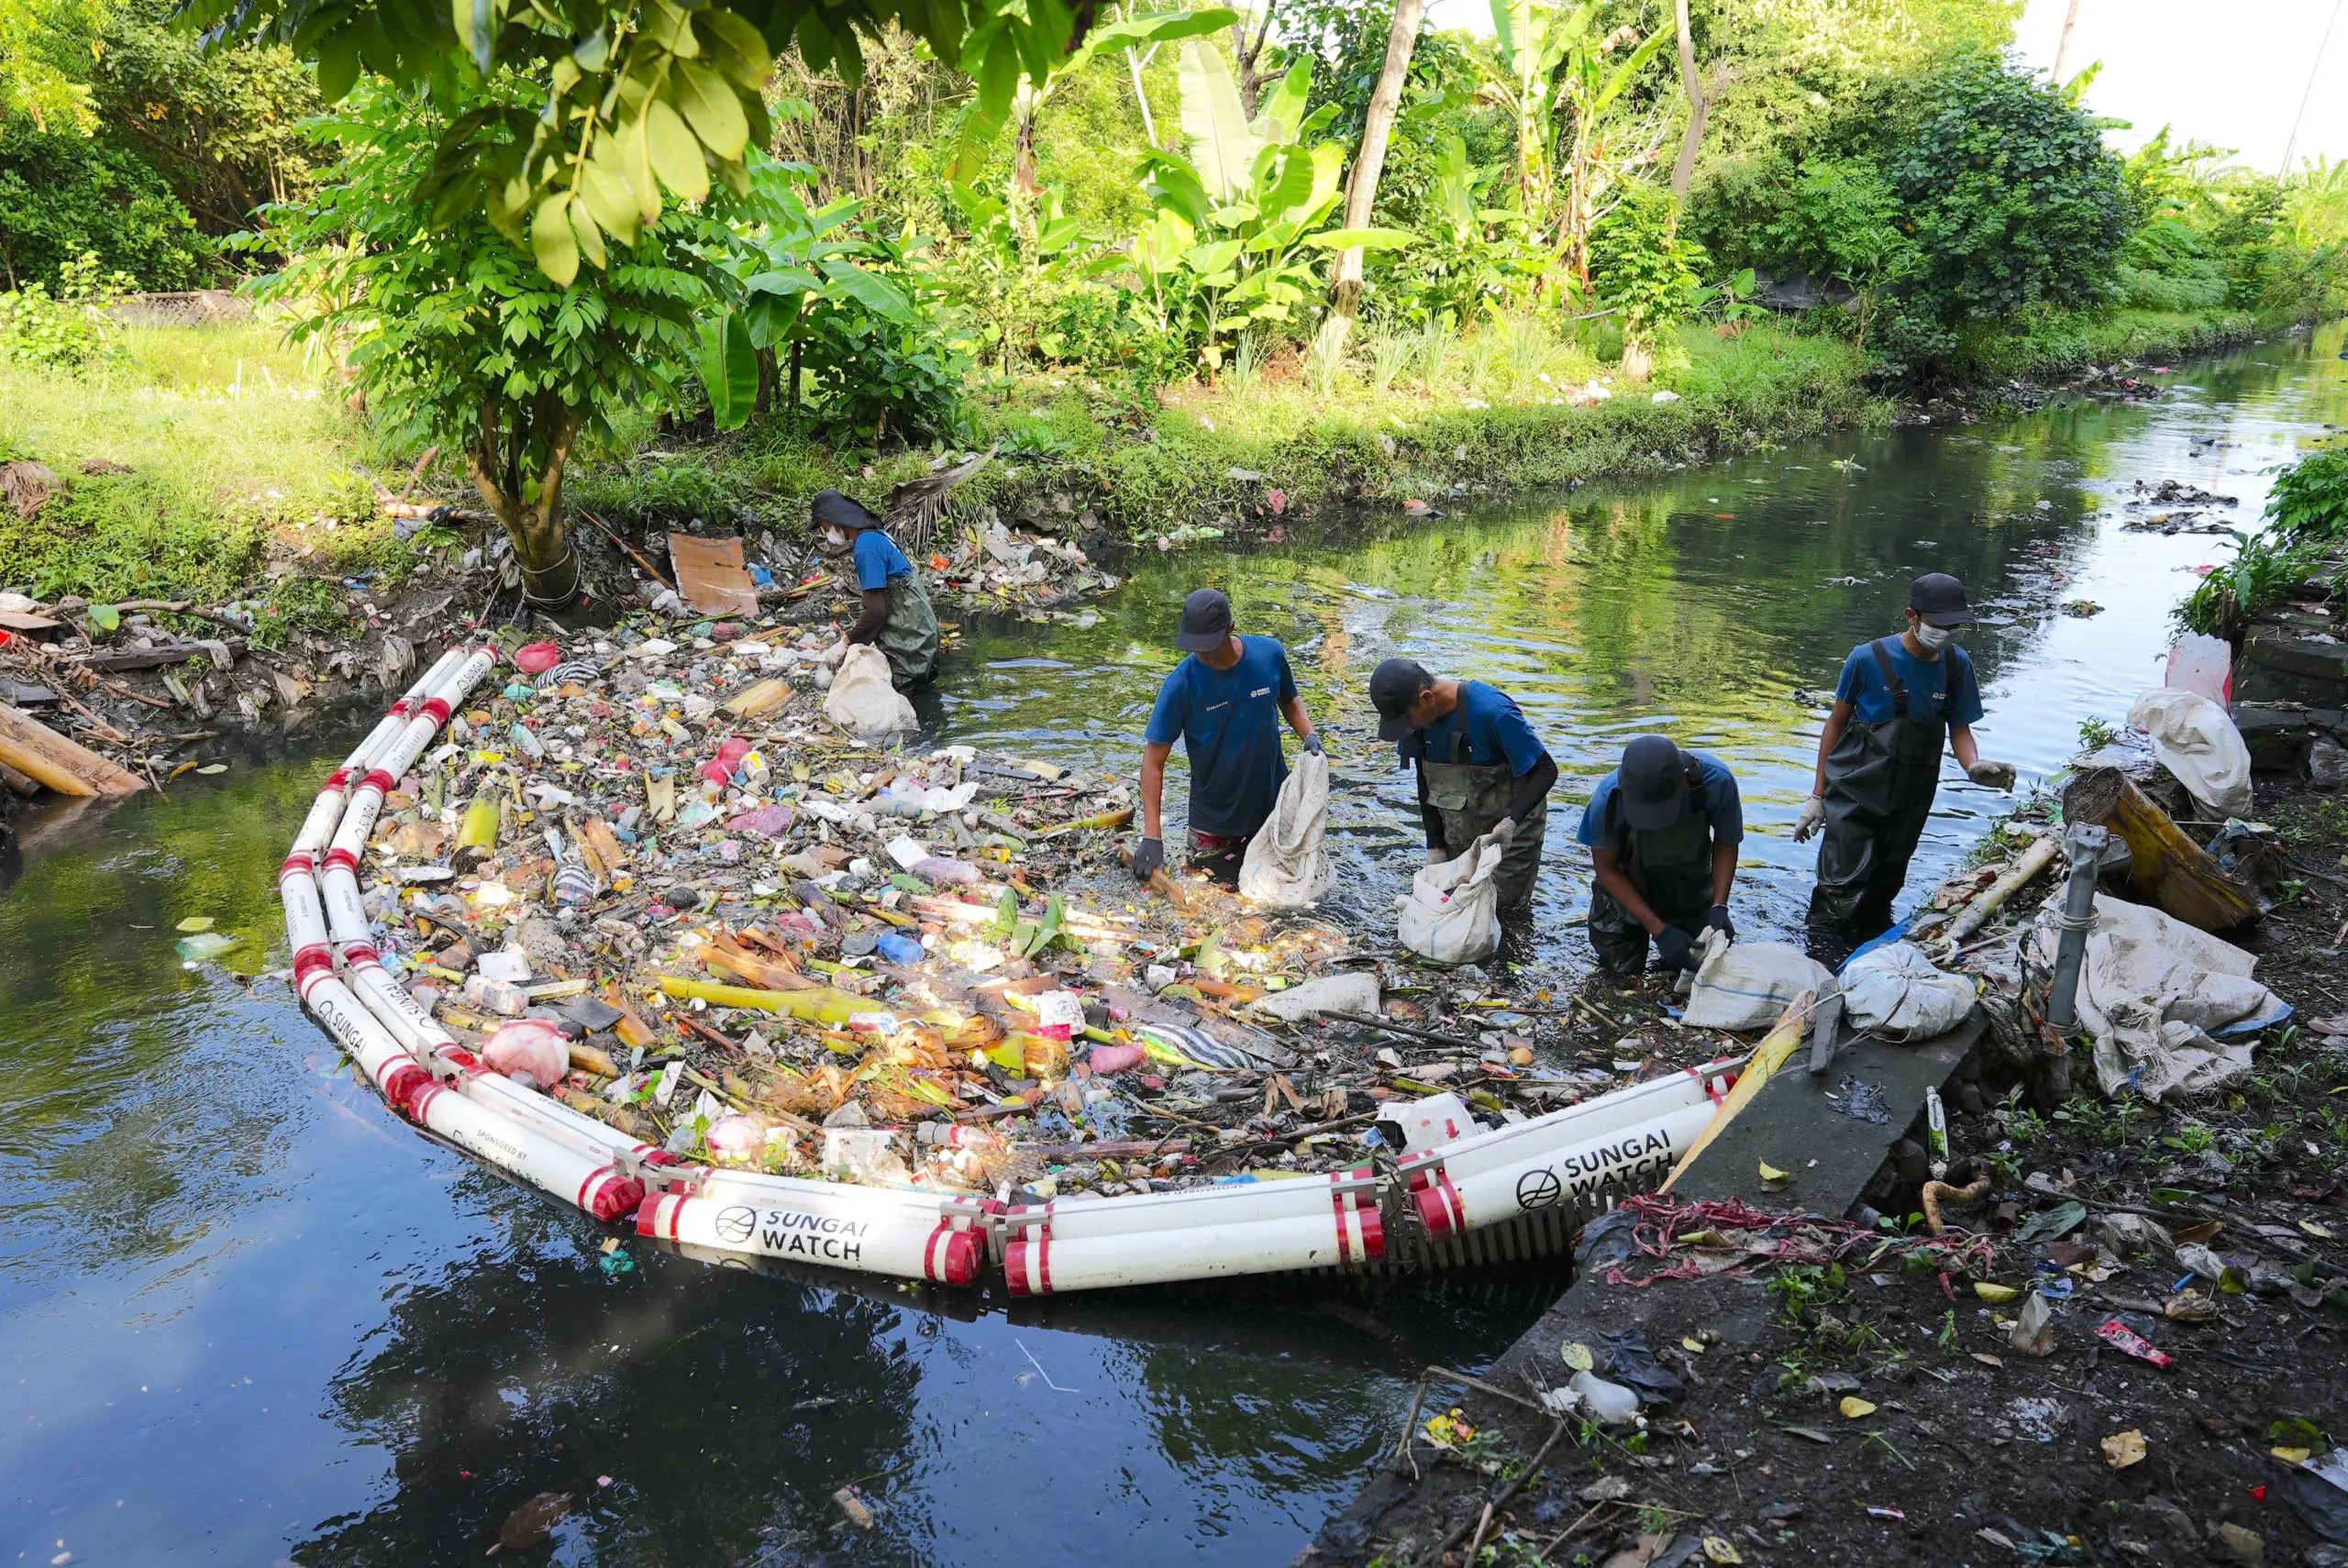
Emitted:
<point x="1934" y="637"/>
<point x="835" y="540"/>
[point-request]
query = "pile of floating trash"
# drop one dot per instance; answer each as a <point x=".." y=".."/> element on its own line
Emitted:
<point x="640" y="927"/>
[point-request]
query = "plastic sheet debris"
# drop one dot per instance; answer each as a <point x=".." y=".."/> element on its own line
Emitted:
<point x="2194" y="738"/>
<point x="1896" y="993"/>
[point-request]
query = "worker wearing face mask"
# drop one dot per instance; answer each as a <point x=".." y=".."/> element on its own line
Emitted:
<point x="1879" y="755"/>
<point x="894" y="614"/>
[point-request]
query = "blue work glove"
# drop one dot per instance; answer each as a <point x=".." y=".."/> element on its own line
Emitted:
<point x="1671" y="945"/>
<point x="1313" y="743"/>
<point x="1718" y="919"/>
<point x="1149" y="859"/>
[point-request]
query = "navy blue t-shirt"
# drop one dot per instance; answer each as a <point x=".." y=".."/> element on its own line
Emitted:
<point x="1497" y="731"/>
<point x="1720" y="799"/>
<point x="879" y="562"/>
<point x="1943" y="686"/>
<point x="1229" y="722"/>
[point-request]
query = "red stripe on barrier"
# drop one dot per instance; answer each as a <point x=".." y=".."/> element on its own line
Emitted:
<point x="648" y="1215"/>
<point x="399" y="708"/>
<point x="461" y="1059"/>
<point x="437" y="710"/>
<point x="309" y="963"/>
<point x="336" y="780"/>
<point x="361" y="956"/>
<point x="1451" y="1197"/>
<point x="676" y="1211"/>
<point x="1373" y="1229"/>
<point x="1337" y="1207"/>
<point x="346" y="859"/>
<point x="652" y="1157"/>
<point x="1432" y="1215"/>
<point x="1044" y="1256"/>
<point x="964" y="1252"/>
<point x="296" y="863"/>
<point x="608" y="1194"/>
<point x="1014" y="1266"/>
<point x="417" y="1099"/>
<point x="379" y="781"/>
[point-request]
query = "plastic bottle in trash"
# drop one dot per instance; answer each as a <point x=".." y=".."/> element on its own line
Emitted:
<point x="953" y="1135"/>
<point x="501" y="997"/>
<point x="1609" y="1404"/>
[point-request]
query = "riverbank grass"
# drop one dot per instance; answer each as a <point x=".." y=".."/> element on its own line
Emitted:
<point x="190" y="460"/>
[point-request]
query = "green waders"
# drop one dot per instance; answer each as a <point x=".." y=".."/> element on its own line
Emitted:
<point x="1672" y="869"/>
<point x="909" y="636"/>
<point x="1879" y="784"/>
<point x="1472" y="801"/>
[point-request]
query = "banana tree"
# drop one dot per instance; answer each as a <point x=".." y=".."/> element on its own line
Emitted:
<point x="1241" y="224"/>
<point x="1552" y="61"/>
<point x="789" y="262"/>
<point x="1600" y="145"/>
<point x="1029" y="95"/>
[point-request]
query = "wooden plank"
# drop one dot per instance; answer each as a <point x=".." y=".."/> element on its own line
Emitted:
<point x="49" y="758"/>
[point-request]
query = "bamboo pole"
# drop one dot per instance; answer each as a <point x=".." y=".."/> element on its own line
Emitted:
<point x="1767" y="1057"/>
<point x="1976" y="915"/>
<point x="49" y="758"/>
<point x="2166" y="867"/>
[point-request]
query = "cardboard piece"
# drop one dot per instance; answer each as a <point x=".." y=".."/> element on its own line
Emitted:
<point x="710" y="575"/>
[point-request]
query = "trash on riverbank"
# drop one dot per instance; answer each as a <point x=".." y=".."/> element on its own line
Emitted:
<point x="770" y="945"/>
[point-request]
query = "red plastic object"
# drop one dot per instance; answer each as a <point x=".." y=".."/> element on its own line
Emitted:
<point x="2128" y="1341"/>
<point x="715" y="772"/>
<point x="732" y="751"/>
<point x="536" y="659"/>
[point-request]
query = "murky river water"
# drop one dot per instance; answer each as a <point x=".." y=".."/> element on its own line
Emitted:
<point x="248" y="1318"/>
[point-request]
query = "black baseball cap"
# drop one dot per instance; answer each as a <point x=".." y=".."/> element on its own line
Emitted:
<point x="1940" y="599"/>
<point x="1651" y="783"/>
<point x="1206" y="620"/>
<point x="1394" y="688"/>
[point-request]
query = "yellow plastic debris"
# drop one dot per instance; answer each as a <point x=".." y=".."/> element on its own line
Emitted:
<point x="1994" y="1294"/>
<point x="1853" y="1406"/>
<point x="2121" y="1450"/>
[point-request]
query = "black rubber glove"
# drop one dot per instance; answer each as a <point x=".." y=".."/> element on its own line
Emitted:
<point x="1149" y="859"/>
<point x="1313" y="743"/>
<point x="1718" y="919"/>
<point x="1671" y="945"/>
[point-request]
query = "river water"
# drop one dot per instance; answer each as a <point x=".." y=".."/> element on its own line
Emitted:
<point x="248" y="1317"/>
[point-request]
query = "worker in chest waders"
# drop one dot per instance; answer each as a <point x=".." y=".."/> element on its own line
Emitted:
<point x="1480" y="767"/>
<point x="1662" y="830"/>
<point x="895" y="614"/>
<point x="1899" y="700"/>
<point x="1224" y="704"/>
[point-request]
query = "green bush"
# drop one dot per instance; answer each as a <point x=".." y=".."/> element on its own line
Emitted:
<point x="63" y="194"/>
<point x="68" y="331"/>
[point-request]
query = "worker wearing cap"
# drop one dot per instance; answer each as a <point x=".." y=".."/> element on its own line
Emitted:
<point x="1224" y="704"/>
<point x="1480" y="767"/>
<point x="1879" y="755"/>
<point x="894" y="614"/>
<point x="1662" y="830"/>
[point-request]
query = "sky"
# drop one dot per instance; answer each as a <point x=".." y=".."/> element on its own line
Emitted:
<point x="2229" y="74"/>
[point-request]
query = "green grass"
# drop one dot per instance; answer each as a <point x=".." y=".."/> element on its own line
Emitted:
<point x="237" y="457"/>
<point x="2053" y="342"/>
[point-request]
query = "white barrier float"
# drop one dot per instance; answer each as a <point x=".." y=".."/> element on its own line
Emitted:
<point x="1581" y="1155"/>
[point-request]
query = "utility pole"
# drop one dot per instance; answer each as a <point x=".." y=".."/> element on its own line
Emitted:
<point x="2070" y="20"/>
<point x="2292" y="144"/>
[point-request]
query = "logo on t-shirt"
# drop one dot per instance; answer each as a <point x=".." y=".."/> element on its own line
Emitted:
<point x="1259" y="692"/>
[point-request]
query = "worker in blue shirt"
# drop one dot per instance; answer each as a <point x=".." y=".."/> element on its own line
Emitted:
<point x="1480" y="767"/>
<point x="894" y="613"/>
<point x="1662" y="830"/>
<point x="1879" y="755"/>
<point x="1224" y="704"/>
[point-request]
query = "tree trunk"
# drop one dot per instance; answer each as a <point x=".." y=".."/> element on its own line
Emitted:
<point x="768" y="373"/>
<point x="796" y="344"/>
<point x="1141" y="96"/>
<point x="2063" y="49"/>
<point x="498" y="461"/>
<point x="1247" y="53"/>
<point x="1684" y="169"/>
<point x="1369" y="162"/>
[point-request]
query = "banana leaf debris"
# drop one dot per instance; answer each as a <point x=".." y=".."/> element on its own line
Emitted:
<point x="766" y="946"/>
